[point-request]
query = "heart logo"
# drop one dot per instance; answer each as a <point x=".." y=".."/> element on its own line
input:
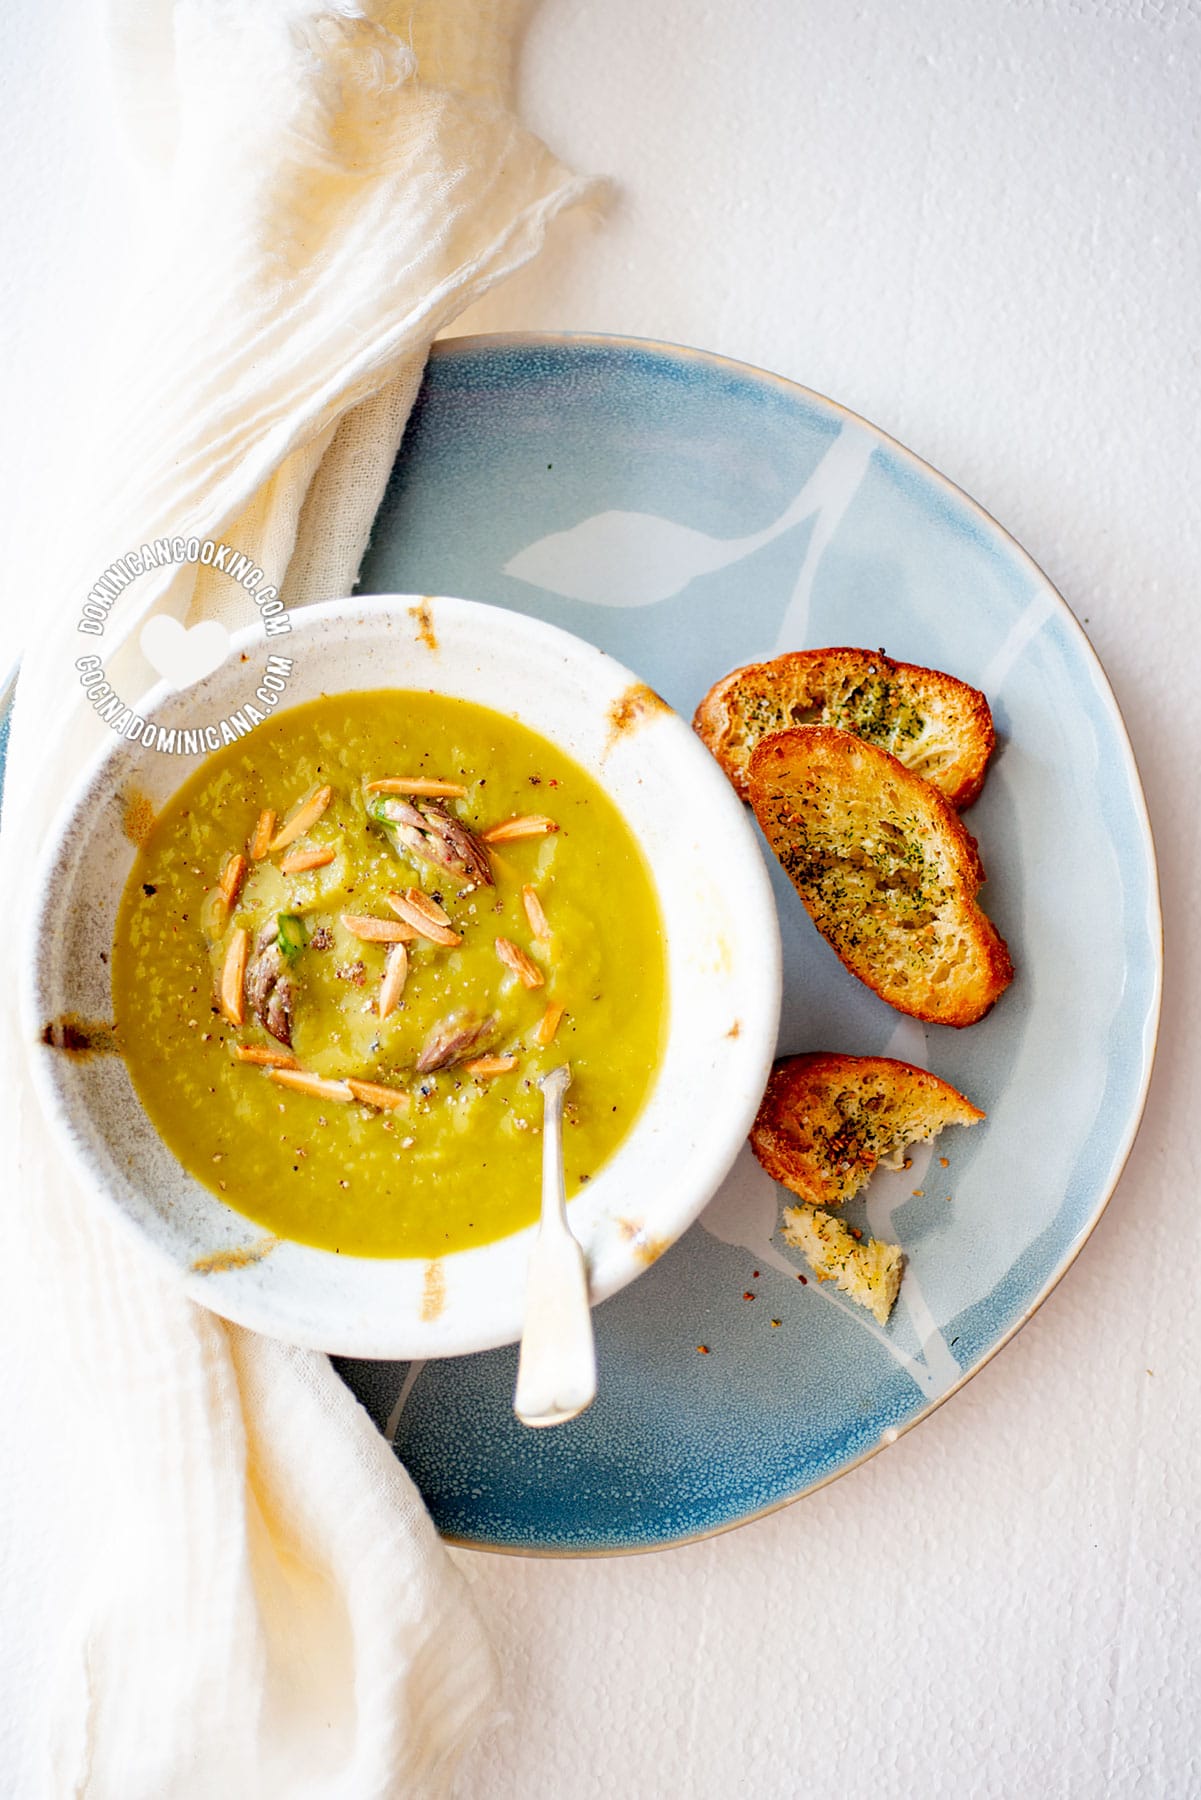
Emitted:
<point x="183" y="656"/>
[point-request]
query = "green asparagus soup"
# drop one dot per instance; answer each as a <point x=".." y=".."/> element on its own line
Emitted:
<point x="350" y="946"/>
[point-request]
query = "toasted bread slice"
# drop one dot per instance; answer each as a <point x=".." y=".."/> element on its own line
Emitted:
<point x="886" y="870"/>
<point x="828" y="1121"/>
<point x="869" y="1272"/>
<point x="937" y="726"/>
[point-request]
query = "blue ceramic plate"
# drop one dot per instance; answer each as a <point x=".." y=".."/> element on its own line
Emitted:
<point x="689" y="514"/>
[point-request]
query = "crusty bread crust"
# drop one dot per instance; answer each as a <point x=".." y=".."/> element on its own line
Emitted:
<point x="886" y="871"/>
<point x="937" y="726"/>
<point x="827" y="1121"/>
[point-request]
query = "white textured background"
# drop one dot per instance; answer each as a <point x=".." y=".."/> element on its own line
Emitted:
<point x="976" y="222"/>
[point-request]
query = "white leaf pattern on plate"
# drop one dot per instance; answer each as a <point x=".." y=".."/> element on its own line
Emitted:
<point x="620" y="558"/>
<point x="407" y="1383"/>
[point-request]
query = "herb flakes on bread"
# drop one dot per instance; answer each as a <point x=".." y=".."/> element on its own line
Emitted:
<point x="869" y="1273"/>
<point x="937" y="726"/>
<point x="826" y="1121"/>
<point x="885" y="869"/>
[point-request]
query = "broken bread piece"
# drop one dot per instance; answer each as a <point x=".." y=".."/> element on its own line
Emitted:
<point x="936" y="725"/>
<point x="870" y="1273"/>
<point x="826" y="1121"/>
<point x="887" y="872"/>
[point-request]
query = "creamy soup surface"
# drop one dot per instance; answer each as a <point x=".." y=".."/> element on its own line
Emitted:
<point x="349" y="947"/>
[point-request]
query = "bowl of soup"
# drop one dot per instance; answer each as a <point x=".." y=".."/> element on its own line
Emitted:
<point x="302" y="952"/>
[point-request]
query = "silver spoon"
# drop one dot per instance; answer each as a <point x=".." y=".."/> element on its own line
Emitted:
<point x="556" y="1372"/>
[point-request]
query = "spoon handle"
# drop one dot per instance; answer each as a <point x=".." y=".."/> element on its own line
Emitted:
<point x="556" y="1372"/>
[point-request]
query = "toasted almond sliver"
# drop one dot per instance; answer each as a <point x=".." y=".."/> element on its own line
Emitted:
<point x="378" y="931"/>
<point x="232" y="877"/>
<point x="428" y="907"/>
<point x="539" y="924"/>
<point x="422" y="785"/>
<point x="233" y="976"/>
<point x="527" y="972"/>
<point x="300" y="860"/>
<point x="490" y="1065"/>
<point x="548" y="1024"/>
<point x="260" y="843"/>
<point x="306" y="1083"/>
<point x="425" y="916"/>
<point x="374" y="1093"/>
<point x="396" y="973"/>
<point x="265" y="1058"/>
<point x="306" y="815"/>
<point x="530" y="825"/>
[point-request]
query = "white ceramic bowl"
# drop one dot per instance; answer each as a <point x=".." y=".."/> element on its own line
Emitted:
<point x="723" y="954"/>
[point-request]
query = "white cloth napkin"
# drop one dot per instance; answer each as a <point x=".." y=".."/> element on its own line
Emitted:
<point x="266" y="1609"/>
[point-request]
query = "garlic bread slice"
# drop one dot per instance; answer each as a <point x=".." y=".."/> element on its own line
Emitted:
<point x="885" y="869"/>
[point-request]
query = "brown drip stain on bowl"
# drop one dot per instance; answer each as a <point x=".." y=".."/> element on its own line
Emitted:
<point x="241" y="1256"/>
<point x="137" y="816"/>
<point x="433" y="1294"/>
<point x="648" y="1250"/>
<point x="81" y="1037"/>
<point x="633" y="708"/>
<point x="423" y="618"/>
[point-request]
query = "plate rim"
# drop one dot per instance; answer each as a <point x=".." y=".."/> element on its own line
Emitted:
<point x="664" y="348"/>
